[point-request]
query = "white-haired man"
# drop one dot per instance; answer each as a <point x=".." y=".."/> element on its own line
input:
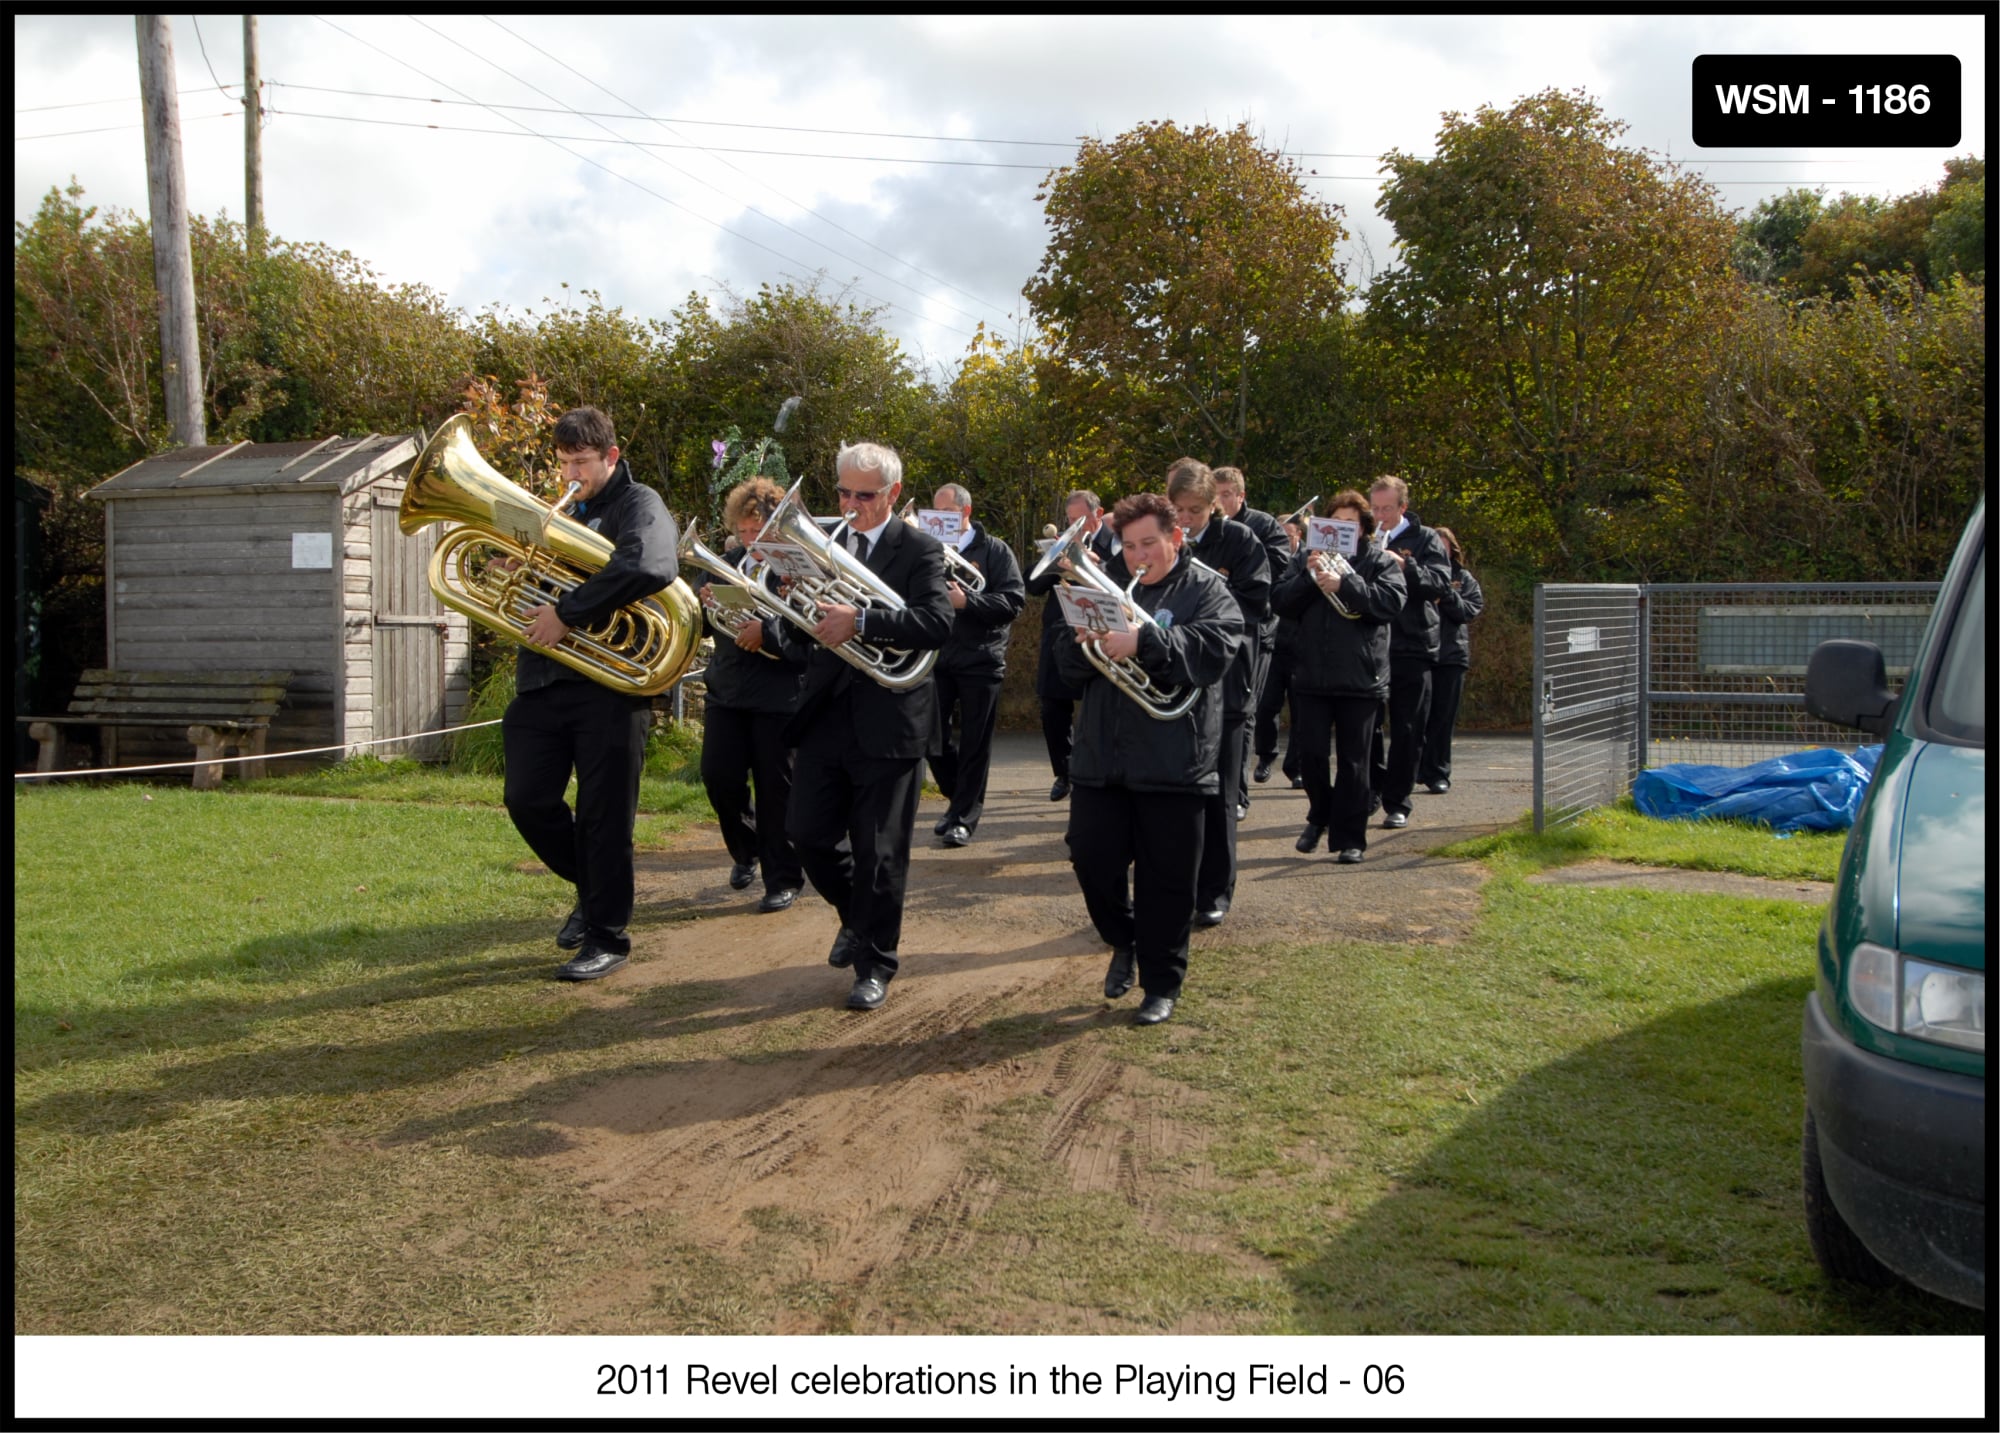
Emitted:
<point x="971" y="667"/>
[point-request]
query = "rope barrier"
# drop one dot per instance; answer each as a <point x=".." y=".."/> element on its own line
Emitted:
<point x="260" y="756"/>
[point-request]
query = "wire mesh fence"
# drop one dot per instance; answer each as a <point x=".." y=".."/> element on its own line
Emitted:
<point x="1589" y="657"/>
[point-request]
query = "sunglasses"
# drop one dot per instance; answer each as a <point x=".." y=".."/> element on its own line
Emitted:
<point x="850" y="495"/>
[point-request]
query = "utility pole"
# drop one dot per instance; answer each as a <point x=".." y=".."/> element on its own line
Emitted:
<point x="173" y="268"/>
<point x="253" y="141"/>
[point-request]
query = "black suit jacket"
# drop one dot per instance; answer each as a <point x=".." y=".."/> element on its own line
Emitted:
<point x="1049" y="683"/>
<point x="885" y="723"/>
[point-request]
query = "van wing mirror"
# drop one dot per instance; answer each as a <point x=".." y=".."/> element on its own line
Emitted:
<point x="1847" y="684"/>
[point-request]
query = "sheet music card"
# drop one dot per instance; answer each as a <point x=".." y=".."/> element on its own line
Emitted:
<point x="1333" y="534"/>
<point x="1092" y="611"/>
<point x="787" y="559"/>
<point x="944" y="524"/>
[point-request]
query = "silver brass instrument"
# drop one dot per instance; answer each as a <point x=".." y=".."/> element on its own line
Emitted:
<point x="1341" y="568"/>
<point x="1304" y="511"/>
<point x="843" y="578"/>
<point x="964" y="573"/>
<point x="728" y="621"/>
<point x="1126" y="674"/>
<point x="511" y="553"/>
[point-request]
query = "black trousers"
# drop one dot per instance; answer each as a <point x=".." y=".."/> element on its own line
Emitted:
<point x="850" y="818"/>
<point x="1447" y="687"/>
<point x="1217" y="875"/>
<point x="1277" y="693"/>
<point x="1335" y="737"/>
<point x="1156" y="837"/>
<point x="601" y="735"/>
<point x="737" y="747"/>
<point x="1260" y="673"/>
<point x="961" y="766"/>
<point x="1409" y="709"/>
<point x="1058" y="716"/>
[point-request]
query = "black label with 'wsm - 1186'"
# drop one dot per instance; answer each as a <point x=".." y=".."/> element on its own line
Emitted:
<point x="1839" y="101"/>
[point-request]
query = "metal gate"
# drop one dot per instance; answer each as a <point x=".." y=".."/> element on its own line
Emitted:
<point x="1589" y="707"/>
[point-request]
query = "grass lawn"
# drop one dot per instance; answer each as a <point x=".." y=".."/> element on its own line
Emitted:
<point x="243" y="1022"/>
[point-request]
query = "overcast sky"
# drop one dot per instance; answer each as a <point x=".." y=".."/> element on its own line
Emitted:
<point x="508" y="217"/>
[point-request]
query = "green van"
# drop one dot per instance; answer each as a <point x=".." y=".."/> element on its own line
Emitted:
<point x="1895" y="1032"/>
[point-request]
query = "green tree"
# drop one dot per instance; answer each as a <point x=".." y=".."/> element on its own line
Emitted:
<point x="1768" y="242"/>
<point x="1179" y="261"/>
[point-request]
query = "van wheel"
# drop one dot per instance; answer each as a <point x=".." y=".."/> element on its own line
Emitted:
<point x="1839" y="1250"/>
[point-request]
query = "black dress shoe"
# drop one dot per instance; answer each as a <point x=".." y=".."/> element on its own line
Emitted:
<point x="956" y="834"/>
<point x="842" y="954"/>
<point x="574" y="929"/>
<point x="1211" y="914"/>
<point x="1156" y="1009"/>
<point x="1395" y="820"/>
<point x="1263" y="771"/>
<point x="1298" y="783"/>
<point x="741" y="875"/>
<point x="593" y="962"/>
<point x="1242" y="810"/>
<point x="1308" y="841"/>
<point x="779" y="900"/>
<point x="868" y="993"/>
<point x="943" y="825"/>
<point x="1060" y="789"/>
<point x="1350" y="857"/>
<point x="1118" y="979"/>
<point x="1437" y="788"/>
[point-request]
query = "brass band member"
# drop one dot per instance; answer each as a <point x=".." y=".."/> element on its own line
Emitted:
<point x="1277" y="692"/>
<point x="971" y="668"/>
<point x="1340" y="674"/>
<point x="753" y="690"/>
<point x="1142" y="785"/>
<point x="1234" y="552"/>
<point x="1232" y="501"/>
<point x="860" y="744"/>
<point x="1413" y="646"/>
<point x="1456" y="606"/>
<point x="561" y="720"/>
<point x="1057" y="698"/>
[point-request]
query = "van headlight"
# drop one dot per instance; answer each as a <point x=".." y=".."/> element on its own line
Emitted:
<point x="1940" y="1003"/>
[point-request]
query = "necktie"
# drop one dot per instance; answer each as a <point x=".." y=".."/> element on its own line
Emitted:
<point x="860" y="545"/>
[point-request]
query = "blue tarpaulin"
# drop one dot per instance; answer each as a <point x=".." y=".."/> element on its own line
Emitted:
<point x="1818" y="790"/>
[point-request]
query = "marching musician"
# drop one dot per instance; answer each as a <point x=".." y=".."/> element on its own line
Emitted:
<point x="753" y="690"/>
<point x="1142" y="785"/>
<point x="971" y="668"/>
<point x="1340" y="675"/>
<point x="857" y="775"/>
<point x="1413" y="646"/>
<point x="1232" y="500"/>
<point x="1057" y="698"/>
<point x="561" y="721"/>
<point x="1456" y="606"/>
<point x="1234" y="552"/>
<point x="1277" y="689"/>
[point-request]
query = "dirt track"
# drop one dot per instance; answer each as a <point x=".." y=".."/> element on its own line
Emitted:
<point x="854" y="1126"/>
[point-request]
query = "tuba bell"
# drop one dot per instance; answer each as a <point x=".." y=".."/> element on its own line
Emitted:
<point x="511" y="553"/>
<point x="1159" y="703"/>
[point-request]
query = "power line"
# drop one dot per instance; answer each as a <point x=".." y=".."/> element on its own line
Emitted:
<point x="204" y="55"/>
<point x="114" y="128"/>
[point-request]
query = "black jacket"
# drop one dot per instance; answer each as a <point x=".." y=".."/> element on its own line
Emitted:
<point x="1427" y="576"/>
<point x="1049" y="684"/>
<point x="1116" y="743"/>
<point x="751" y="681"/>
<point x="1338" y="656"/>
<point x="978" y="645"/>
<point x="1234" y="551"/>
<point x="1458" y="605"/>
<point x="886" y="723"/>
<point x="1277" y="550"/>
<point x="645" y="560"/>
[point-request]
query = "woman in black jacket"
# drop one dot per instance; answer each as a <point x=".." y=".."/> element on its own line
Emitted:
<point x="1340" y="674"/>
<point x="1456" y="609"/>
<point x="753" y="689"/>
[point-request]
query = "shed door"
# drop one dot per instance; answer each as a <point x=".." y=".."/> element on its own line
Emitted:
<point x="409" y="636"/>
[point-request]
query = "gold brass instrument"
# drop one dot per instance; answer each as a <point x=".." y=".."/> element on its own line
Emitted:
<point x="1157" y="702"/>
<point x="1333" y="562"/>
<point x="964" y="573"/>
<point x="728" y="621"/>
<point x="511" y="553"/>
<point x="843" y="578"/>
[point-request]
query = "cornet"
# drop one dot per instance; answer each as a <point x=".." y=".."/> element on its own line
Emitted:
<point x="1126" y="674"/>
<point x="964" y="573"/>
<point x="1333" y="562"/>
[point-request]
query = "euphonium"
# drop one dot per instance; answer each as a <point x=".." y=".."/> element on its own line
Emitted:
<point x="842" y="578"/>
<point x="1161" y="704"/>
<point x="641" y="649"/>
<point x="964" y="573"/>
<point x="748" y="578"/>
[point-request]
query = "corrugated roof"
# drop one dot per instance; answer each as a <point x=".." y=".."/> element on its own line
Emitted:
<point x="330" y="464"/>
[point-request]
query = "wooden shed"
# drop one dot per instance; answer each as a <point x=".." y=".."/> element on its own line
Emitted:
<point x="283" y="556"/>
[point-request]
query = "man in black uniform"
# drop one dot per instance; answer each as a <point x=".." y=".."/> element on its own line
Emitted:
<point x="1278" y="685"/>
<point x="1232" y="500"/>
<point x="860" y="744"/>
<point x="971" y="668"/>
<point x="1233" y="551"/>
<point x="561" y="720"/>
<point x="1413" y="644"/>
<point x="1058" y="700"/>
<point x="1142" y="785"/>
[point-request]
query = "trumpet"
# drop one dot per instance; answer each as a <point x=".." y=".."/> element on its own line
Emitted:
<point x="1333" y="562"/>
<point x="1157" y="702"/>
<point x="964" y="573"/>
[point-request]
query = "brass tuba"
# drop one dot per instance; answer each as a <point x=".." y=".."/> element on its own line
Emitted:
<point x="512" y="553"/>
<point x="1159" y="703"/>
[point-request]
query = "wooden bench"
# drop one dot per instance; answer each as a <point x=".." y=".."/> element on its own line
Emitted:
<point x="218" y="710"/>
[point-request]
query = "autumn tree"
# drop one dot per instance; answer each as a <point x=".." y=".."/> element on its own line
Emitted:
<point x="1180" y="262"/>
